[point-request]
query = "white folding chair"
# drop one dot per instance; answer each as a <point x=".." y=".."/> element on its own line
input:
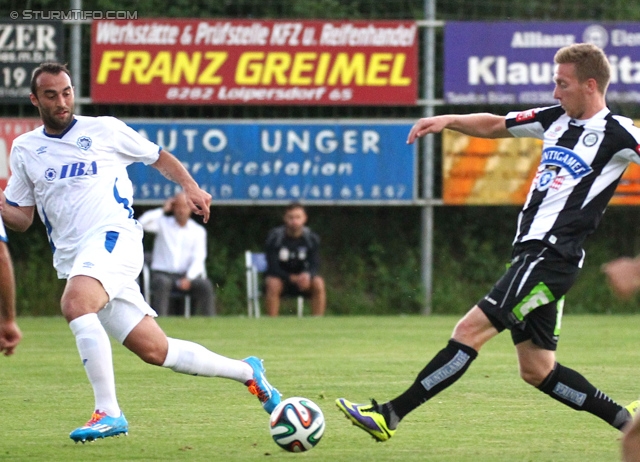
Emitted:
<point x="256" y="263"/>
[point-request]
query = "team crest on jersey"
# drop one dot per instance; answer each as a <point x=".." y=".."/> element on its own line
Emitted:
<point x="567" y="159"/>
<point x="50" y="174"/>
<point x="526" y="115"/>
<point x="590" y="139"/>
<point x="84" y="142"/>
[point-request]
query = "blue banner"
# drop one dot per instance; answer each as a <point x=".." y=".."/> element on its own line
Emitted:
<point x="262" y="162"/>
<point x="511" y="62"/>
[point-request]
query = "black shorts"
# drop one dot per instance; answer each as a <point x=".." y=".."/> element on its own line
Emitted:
<point x="289" y="289"/>
<point x="529" y="297"/>
<point x="292" y="290"/>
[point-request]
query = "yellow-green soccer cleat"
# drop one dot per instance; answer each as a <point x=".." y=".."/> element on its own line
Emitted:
<point x="367" y="417"/>
<point x="633" y="408"/>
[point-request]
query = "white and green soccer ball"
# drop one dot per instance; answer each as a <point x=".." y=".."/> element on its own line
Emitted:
<point x="296" y="424"/>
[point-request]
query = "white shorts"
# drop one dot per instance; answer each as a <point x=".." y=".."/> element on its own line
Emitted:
<point x="115" y="259"/>
<point x="112" y="257"/>
<point x="124" y="312"/>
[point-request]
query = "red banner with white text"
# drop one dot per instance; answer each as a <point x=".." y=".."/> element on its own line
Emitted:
<point x="10" y="129"/>
<point x="254" y="62"/>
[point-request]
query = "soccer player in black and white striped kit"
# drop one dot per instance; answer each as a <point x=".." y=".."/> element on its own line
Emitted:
<point x="585" y="152"/>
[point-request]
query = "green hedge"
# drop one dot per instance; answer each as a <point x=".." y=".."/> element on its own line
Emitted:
<point x="370" y="258"/>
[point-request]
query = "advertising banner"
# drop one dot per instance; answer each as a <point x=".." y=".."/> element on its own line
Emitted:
<point x="511" y="62"/>
<point x="24" y="45"/>
<point x="10" y="129"/>
<point x="478" y="171"/>
<point x="254" y="62"/>
<point x="263" y="162"/>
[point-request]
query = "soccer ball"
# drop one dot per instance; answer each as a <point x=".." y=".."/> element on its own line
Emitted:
<point x="296" y="424"/>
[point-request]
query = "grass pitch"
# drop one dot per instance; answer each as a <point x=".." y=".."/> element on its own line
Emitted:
<point x="489" y="415"/>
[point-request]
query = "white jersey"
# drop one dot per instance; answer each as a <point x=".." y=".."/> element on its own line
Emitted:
<point x="581" y="164"/>
<point x="78" y="180"/>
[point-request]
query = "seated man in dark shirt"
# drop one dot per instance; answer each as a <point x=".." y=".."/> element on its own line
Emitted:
<point x="293" y="262"/>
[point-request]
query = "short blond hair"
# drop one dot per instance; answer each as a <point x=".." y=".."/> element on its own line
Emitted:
<point x="590" y="63"/>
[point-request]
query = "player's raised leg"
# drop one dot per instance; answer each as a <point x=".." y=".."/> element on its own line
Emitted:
<point x="381" y="420"/>
<point x="538" y="367"/>
<point x="150" y="343"/>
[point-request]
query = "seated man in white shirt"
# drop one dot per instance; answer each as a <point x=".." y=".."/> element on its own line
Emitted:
<point x="178" y="259"/>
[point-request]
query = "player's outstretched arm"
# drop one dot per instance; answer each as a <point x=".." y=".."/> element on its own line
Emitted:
<point x="199" y="200"/>
<point x="483" y="125"/>
<point x="10" y="334"/>
<point x="15" y="218"/>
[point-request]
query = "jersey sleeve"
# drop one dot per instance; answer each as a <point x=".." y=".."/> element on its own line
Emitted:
<point x="19" y="190"/>
<point x="531" y="123"/>
<point x="132" y="145"/>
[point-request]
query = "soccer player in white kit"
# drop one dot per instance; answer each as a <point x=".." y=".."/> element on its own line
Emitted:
<point x="73" y="170"/>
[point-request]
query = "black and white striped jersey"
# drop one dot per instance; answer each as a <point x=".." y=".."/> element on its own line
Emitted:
<point x="581" y="164"/>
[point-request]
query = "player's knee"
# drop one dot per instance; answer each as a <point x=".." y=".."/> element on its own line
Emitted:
<point x="534" y="376"/>
<point x="148" y="342"/>
<point x="466" y="331"/>
<point x="154" y="356"/>
<point x="73" y="307"/>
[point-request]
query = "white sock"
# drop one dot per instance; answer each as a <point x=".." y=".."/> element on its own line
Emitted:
<point x="95" y="352"/>
<point x="194" y="359"/>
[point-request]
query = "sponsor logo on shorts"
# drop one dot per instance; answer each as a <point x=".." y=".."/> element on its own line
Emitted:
<point x="88" y="264"/>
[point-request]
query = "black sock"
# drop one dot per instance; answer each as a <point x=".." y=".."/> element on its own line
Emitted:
<point x="571" y="388"/>
<point x="442" y="371"/>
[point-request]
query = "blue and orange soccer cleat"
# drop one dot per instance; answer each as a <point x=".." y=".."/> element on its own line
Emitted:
<point x="100" y="426"/>
<point x="259" y="386"/>
<point x="367" y="417"/>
